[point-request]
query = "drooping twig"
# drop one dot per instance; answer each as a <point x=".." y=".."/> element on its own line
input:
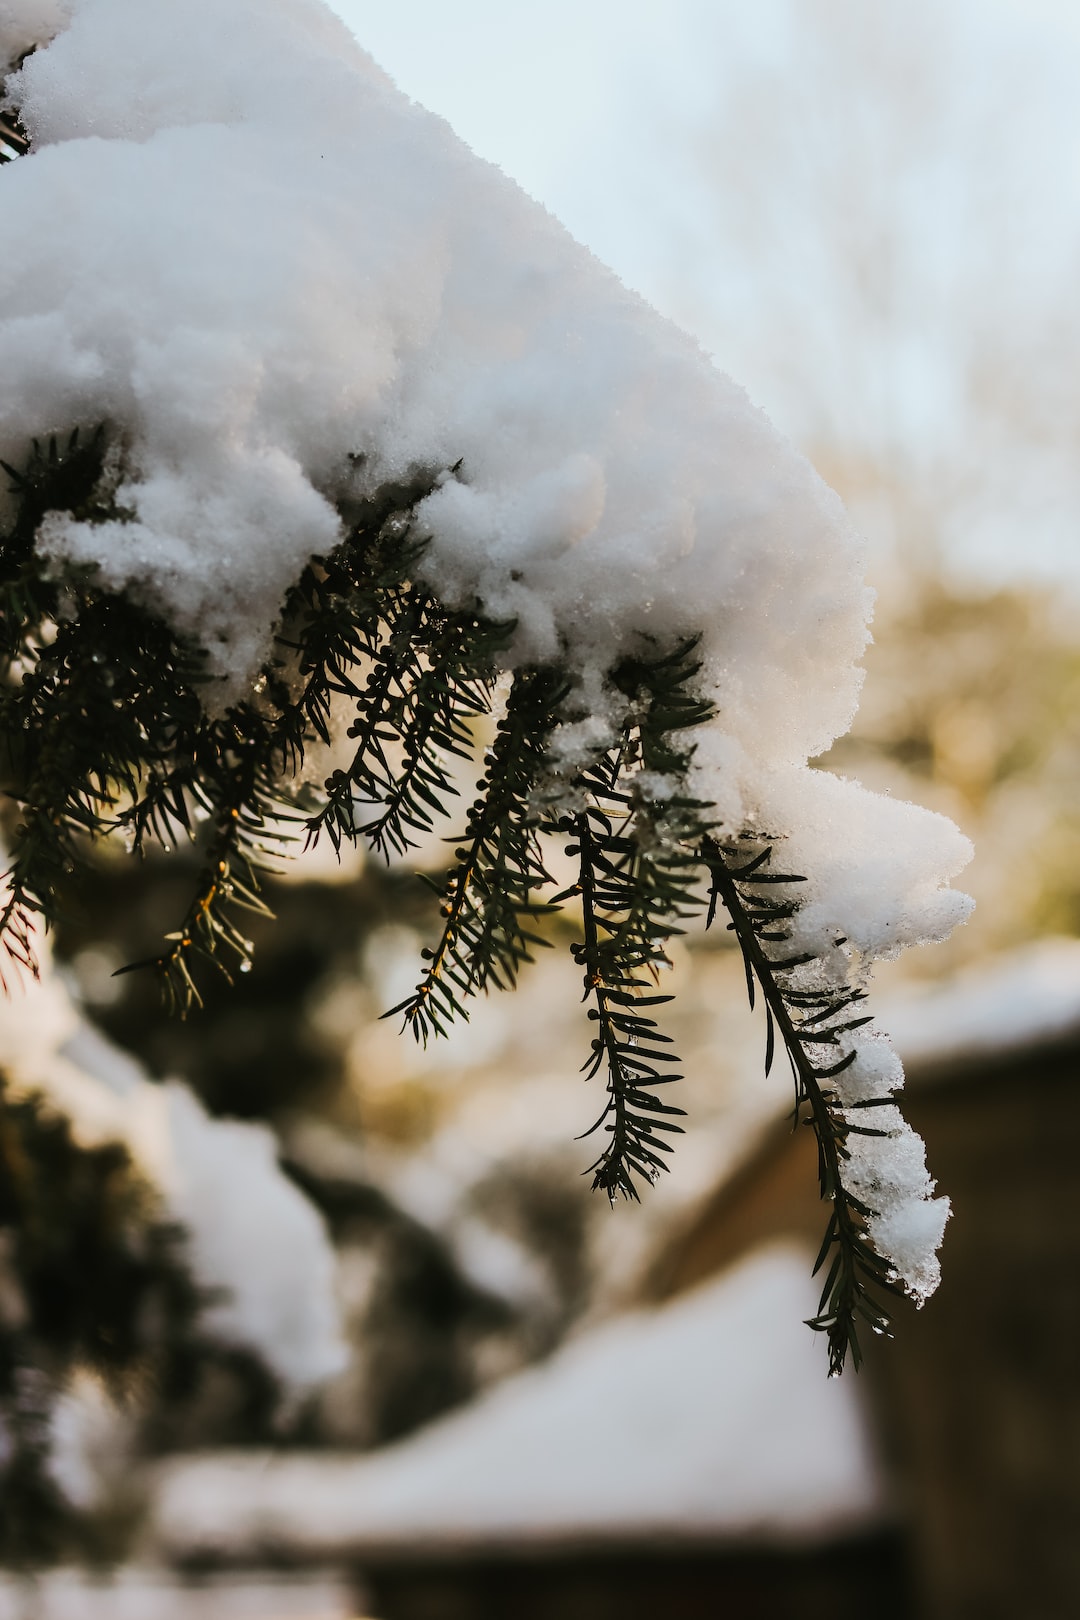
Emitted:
<point x="810" y="1020"/>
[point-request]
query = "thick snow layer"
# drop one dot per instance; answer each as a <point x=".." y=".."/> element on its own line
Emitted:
<point x="282" y="283"/>
<point x="253" y="1239"/>
<point x="706" y="1418"/>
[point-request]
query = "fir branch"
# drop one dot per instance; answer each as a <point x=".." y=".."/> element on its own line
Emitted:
<point x="431" y="675"/>
<point x="812" y="1024"/>
<point x="382" y="715"/>
<point x="451" y="686"/>
<point x="242" y="795"/>
<point x="637" y="840"/>
<point x="58" y="477"/>
<point x="81" y="729"/>
<point x="488" y="897"/>
<point x="621" y="939"/>
<point x="334" y="622"/>
<point x="105" y="725"/>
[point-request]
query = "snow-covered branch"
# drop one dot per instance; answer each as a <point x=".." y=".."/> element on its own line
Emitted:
<point x="262" y="329"/>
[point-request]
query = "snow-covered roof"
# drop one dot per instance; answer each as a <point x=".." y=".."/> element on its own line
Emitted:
<point x="1030" y="997"/>
<point x="150" y="1594"/>
<point x="710" y="1418"/>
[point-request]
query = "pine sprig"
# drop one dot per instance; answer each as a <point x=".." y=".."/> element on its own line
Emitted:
<point x="431" y="676"/>
<point x="241" y="796"/>
<point x="452" y="686"/>
<point x="620" y="952"/>
<point x="488" y="897"/>
<point x="58" y="477"/>
<point x="96" y="690"/>
<point x="104" y="716"/>
<point x="637" y="842"/>
<point x="811" y="1020"/>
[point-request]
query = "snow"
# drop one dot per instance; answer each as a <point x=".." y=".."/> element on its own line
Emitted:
<point x="90" y="1453"/>
<point x="1023" y="999"/>
<point x="253" y="1239"/>
<point x="282" y="283"/>
<point x="706" y="1418"/>
<point x="151" y="1594"/>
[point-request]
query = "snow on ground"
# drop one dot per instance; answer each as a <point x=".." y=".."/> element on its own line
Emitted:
<point x="138" y="1594"/>
<point x="708" y="1417"/>
<point x="282" y="284"/>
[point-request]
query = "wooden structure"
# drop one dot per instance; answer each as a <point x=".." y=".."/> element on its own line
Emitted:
<point x="977" y="1397"/>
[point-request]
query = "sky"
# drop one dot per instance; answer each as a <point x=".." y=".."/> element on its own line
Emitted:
<point x="870" y="216"/>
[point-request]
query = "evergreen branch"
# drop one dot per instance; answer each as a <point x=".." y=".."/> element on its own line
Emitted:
<point x="431" y="676"/>
<point x="334" y="621"/>
<point x="105" y="727"/>
<point x="81" y="729"/>
<point x="243" y="799"/>
<point x="56" y="478"/>
<point x="334" y="615"/>
<point x="451" y="685"/>
<point x="488" y="896"/>
<point x="637" y="840"/>
<point x="613" y="952"/>
<point x="382" y="712"/>
<point x="811" y="1025"/>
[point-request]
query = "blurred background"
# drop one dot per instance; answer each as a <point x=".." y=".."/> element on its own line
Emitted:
<point x="329" y="1324"/>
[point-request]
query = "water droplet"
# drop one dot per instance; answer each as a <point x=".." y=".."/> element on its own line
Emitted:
<point x="245" y="965"/>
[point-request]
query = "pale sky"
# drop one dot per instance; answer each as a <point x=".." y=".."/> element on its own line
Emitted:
<point x="623" y="117"/>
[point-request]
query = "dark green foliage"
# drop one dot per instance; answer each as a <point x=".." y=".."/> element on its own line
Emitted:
<point x="108" y="727"/>
<point x="91" y="1277"/>
<point x="488" y="896"/>
<point x="811" y="1016"/>
<point x="637" y="841"/>
<point x="97" y="694"/>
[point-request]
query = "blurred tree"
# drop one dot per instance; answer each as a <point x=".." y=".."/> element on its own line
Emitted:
<point x="878" y="230"/>
<point x="973" y="704"/>
<point x="92" y="1282"/>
